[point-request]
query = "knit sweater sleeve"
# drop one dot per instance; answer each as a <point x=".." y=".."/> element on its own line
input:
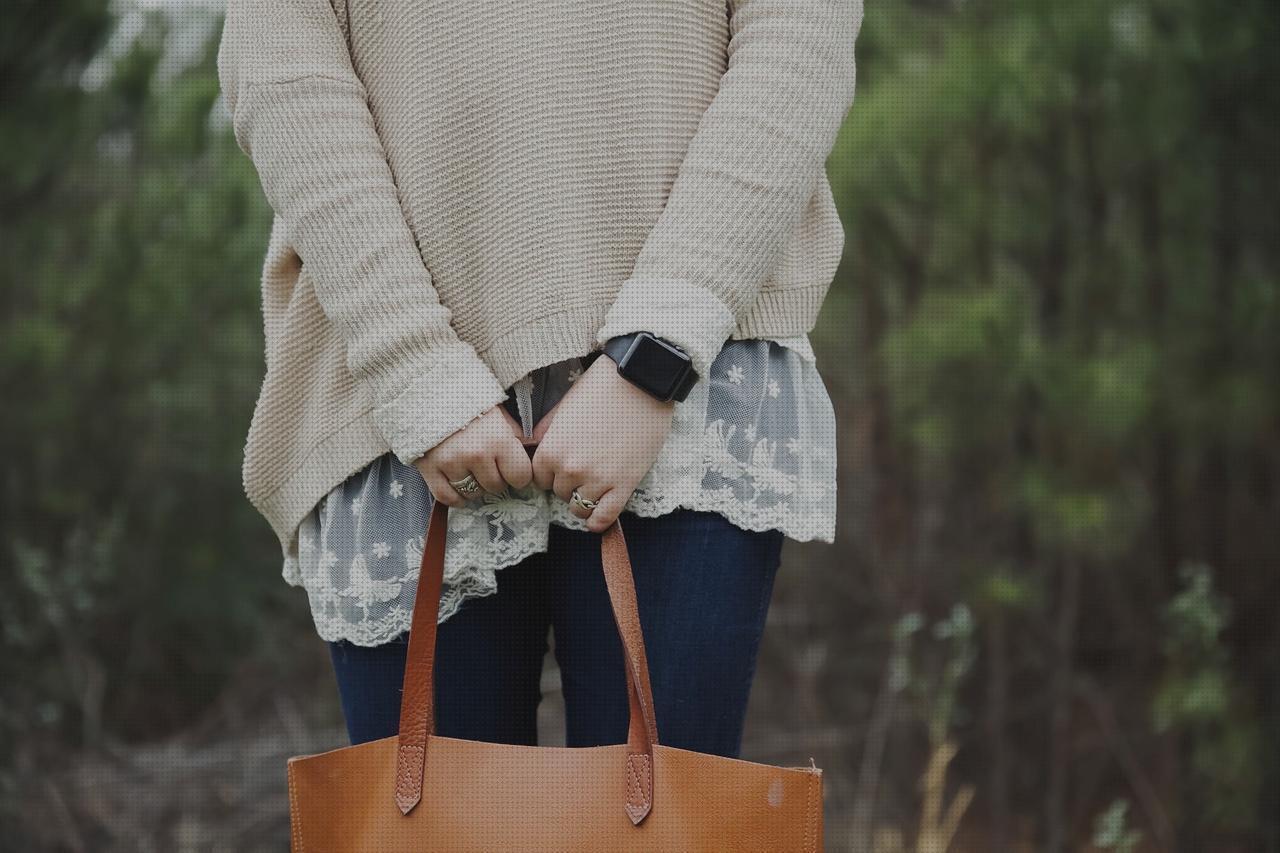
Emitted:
<point x="750" y="168"/>
<point x="299" y="111"/>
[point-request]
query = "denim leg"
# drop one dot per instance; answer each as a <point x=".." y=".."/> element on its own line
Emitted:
<point x="488" y="667"/>
<point x="703" y="588"/>
<point x="369" y="679"/>
<point x="489" y="654"/>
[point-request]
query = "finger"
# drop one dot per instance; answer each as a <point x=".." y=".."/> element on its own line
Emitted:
<point x="608" y="507"/>
<point x="578" y="510"/>
<point x="565" y="483"/>
<point x="440" y="488"/>
<point x="486" y="472"/>
<point x="514" y="465"/>
<point x="544" y="423"/>
<point x="516" y="429"/>
<point x="455" y="473"/>
<point x="455" y="468"/>
<point x="543" y="465"/>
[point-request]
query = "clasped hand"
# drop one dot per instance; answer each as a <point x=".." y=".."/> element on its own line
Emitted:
<point x="601" y="438"/>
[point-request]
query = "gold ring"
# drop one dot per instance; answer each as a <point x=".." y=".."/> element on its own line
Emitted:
<point x="585" y="503"/>
<point x="468" y="486"/>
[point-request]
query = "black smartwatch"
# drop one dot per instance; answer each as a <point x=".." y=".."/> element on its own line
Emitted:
<point x="657" y="367"/>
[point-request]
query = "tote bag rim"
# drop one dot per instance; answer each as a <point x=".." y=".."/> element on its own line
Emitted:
<point x="567" y="750"/>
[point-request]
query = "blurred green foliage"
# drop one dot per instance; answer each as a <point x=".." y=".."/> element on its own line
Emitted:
<point x="1055" y="340"/>
<point x="130" y="350"/>
<point x="1054" y="344"/>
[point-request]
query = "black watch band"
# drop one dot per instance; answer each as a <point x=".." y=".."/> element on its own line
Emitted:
<point x="652" y="364"/>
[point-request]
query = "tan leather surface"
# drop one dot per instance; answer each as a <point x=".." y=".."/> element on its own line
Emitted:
<point x="499" y="797"/>
<point x="425" y="792"/>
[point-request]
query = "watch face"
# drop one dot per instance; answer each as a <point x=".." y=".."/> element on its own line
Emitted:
<point x="654" y="366"/>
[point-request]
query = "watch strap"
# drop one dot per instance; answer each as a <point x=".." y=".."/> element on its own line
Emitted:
<point x="686" y="385"/>
<point x="617" y="347"/>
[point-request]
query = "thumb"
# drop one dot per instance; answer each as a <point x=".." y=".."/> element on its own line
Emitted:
<point x="516" y="429"/>
<point x="540" y="428"/>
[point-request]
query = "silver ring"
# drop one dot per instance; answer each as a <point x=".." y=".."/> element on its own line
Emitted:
<point x="468" y="486"/>
<point x="585" y="503"/>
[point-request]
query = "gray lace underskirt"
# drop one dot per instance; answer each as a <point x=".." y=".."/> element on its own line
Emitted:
<point x="755" y="441"/>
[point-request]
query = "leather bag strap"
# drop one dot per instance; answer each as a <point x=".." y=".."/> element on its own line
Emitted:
<point x="417" y="707"/>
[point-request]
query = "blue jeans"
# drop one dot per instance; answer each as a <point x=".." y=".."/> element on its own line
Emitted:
<point x="703" y="589"/>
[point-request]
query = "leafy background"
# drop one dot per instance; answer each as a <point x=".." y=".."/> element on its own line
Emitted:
<point x="1049" y="622"/>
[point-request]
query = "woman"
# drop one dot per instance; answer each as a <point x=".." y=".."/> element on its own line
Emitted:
<point x="486" y="211"/>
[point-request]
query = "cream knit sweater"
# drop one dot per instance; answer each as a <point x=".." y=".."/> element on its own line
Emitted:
<point x="466" y="190"/>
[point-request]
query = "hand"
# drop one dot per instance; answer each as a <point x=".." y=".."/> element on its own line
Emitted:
<point x="487" y="448"/>
<point x="603" y="438"/>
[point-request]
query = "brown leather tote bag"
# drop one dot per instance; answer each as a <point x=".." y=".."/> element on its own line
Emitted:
<point x="420" y="791"/>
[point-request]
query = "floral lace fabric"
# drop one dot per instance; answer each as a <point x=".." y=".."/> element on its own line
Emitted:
<point x="755" y="442"/>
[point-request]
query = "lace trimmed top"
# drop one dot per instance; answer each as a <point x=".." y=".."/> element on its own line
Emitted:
<point x="755" y="442"/>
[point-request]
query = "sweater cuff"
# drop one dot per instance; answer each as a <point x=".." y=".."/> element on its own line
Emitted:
<point x="456" y="389"/>
<point x="691" y="317"/>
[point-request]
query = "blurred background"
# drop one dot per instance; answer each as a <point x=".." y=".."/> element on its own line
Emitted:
<point x="1049" y="622"/>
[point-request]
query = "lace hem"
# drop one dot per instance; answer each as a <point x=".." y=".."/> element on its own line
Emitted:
<point x="756" y="446"/>
<point x="472" y="571"/>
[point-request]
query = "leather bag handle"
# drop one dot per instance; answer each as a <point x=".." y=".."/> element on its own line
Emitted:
<point x="417" y="706"/>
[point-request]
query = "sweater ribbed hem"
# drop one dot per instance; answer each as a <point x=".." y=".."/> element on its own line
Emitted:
<point x="785" y="312"/>
<point x="544" y="340"/>
<point x="334" y="459"/>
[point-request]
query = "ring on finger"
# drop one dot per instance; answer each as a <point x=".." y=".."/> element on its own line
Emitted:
<point x="585" y="503"/>
<point x="468" y="486"/>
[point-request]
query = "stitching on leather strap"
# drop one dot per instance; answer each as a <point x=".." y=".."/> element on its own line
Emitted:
<point x="636" y="778"/>
<point x="409" y="771"/>
<point x="639" y="796"/>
